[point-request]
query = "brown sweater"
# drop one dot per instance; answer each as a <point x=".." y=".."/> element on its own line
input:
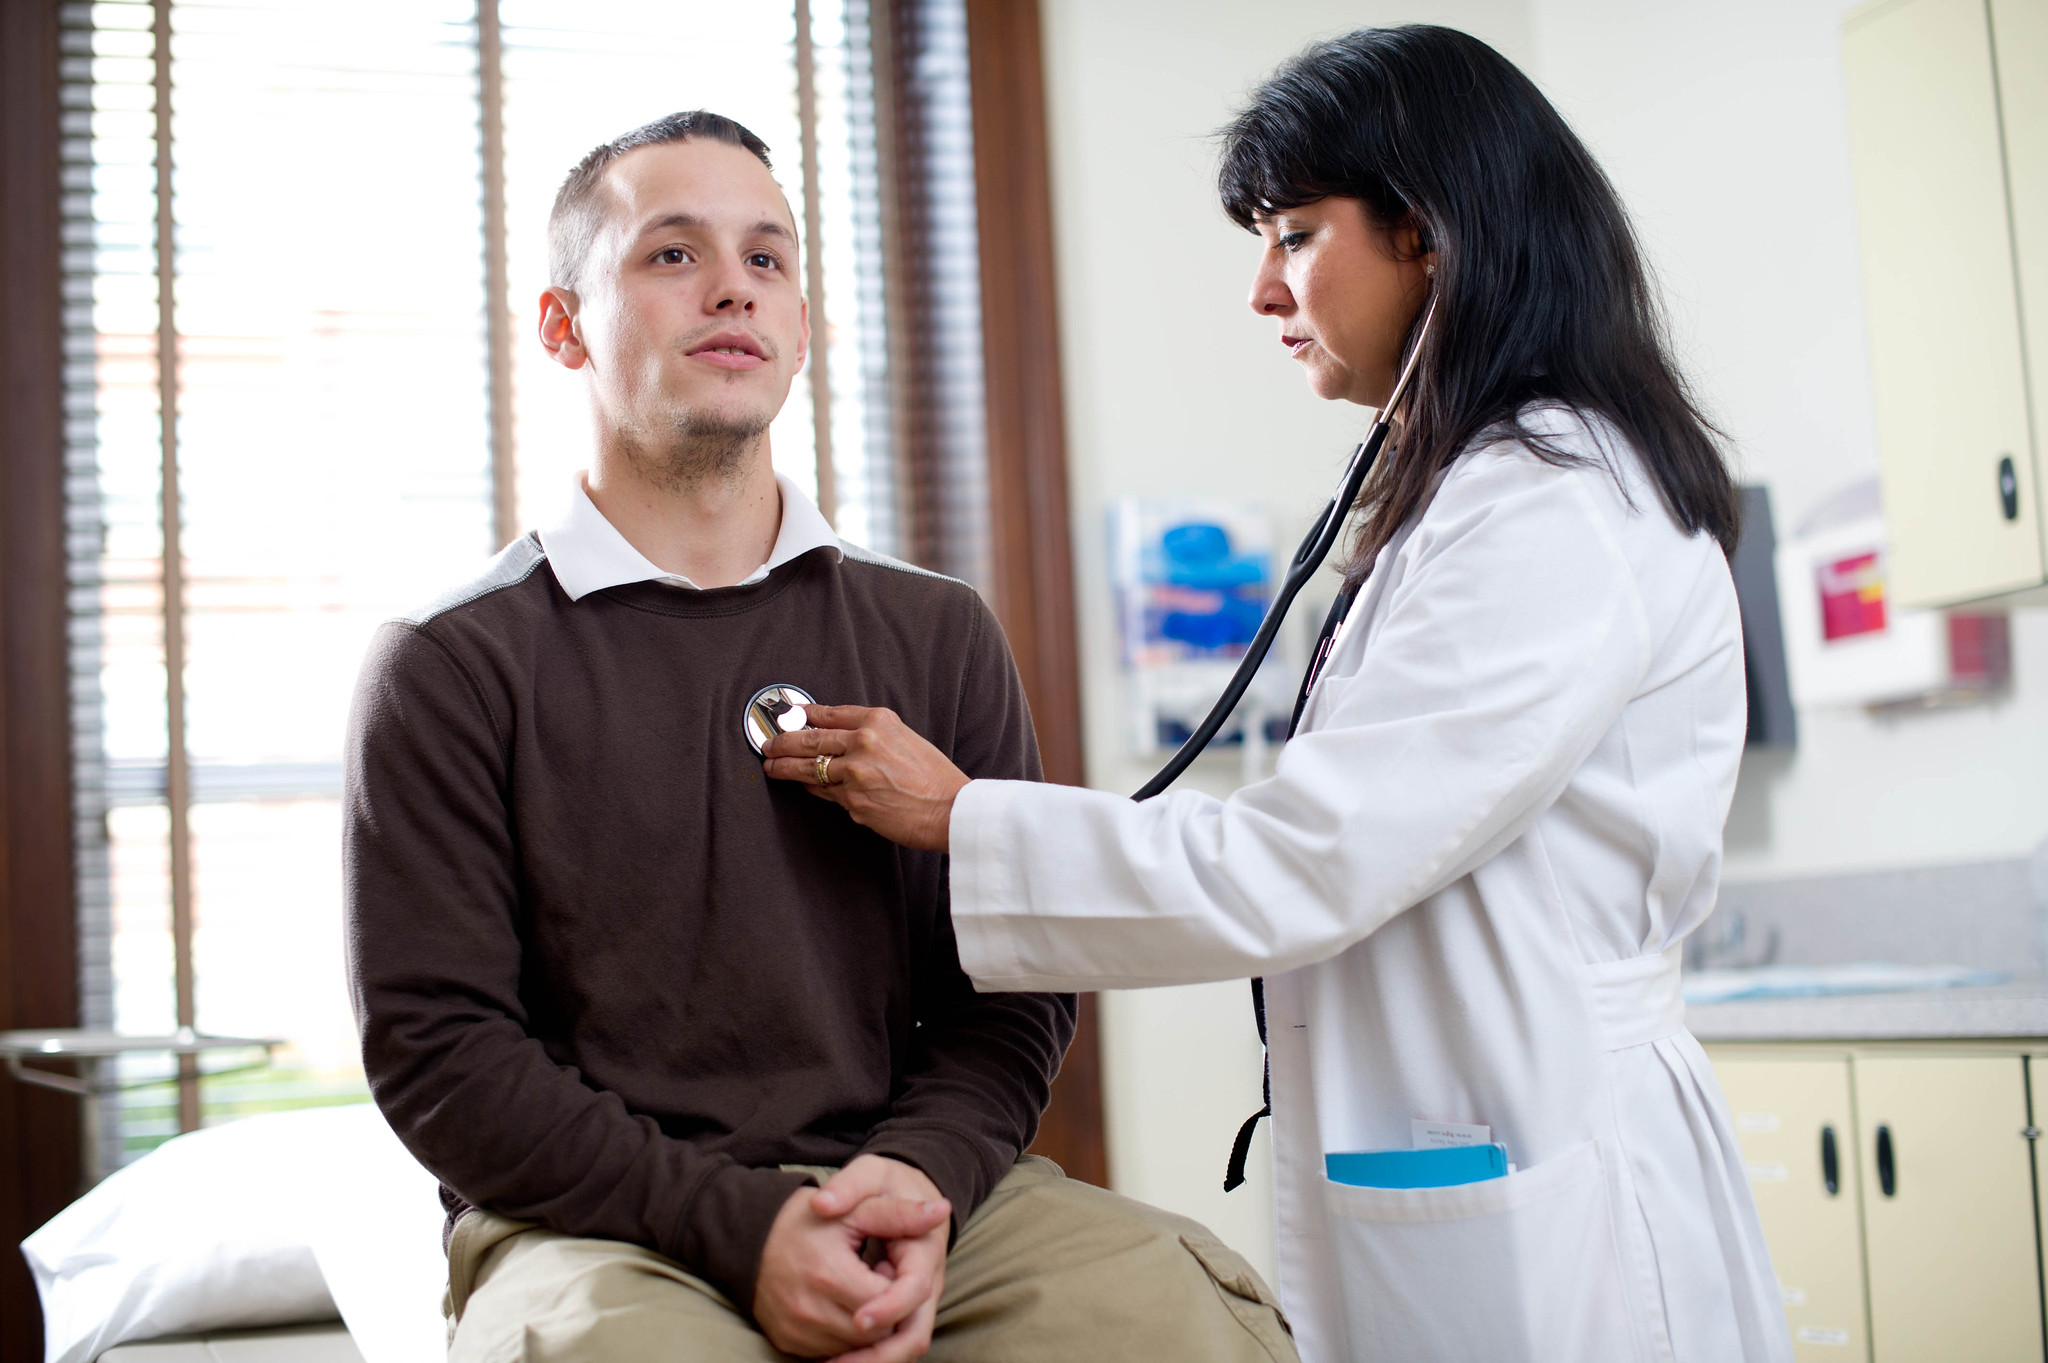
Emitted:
<point x="608" y="976"/>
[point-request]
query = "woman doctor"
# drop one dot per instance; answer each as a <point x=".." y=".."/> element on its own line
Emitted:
<point x="1467" y="882"/>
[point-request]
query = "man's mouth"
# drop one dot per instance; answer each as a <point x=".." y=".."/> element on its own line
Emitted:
<point x="1296" y="344"/>
<point x="730" y="350"/>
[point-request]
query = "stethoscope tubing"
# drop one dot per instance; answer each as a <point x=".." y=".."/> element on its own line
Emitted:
<point x="1308" y="559"/>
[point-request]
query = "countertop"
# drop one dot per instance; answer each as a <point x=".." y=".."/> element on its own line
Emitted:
<point x="2015" y="1009"/>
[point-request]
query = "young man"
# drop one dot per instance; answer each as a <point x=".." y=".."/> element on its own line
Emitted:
<point x="631" y="1001"/>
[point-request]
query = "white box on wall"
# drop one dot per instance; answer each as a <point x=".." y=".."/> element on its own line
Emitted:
<point x="1192" y="579"/>
<point x="1906" y="655"/>
<point x="1847" y="642"/>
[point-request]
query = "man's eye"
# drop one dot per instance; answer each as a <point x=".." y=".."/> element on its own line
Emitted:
<point x="762" y="260"/>
<point x="673" y="255"/>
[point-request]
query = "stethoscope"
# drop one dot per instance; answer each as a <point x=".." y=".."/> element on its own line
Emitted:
<point x="778" y="708"/>
<point x="1307" y="560"/>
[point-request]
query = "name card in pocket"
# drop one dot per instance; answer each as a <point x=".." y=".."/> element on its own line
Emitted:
<point x="1443" y="1167"/>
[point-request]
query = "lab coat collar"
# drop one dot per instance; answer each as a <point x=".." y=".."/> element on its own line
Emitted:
<point x="589" y="554"/>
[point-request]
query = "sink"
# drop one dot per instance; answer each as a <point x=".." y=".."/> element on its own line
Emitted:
<point x="1813" y="981"/>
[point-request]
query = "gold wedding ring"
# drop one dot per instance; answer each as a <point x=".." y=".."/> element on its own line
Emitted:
<point x="824" y="765"/>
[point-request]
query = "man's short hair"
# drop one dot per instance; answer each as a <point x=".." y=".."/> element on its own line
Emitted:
<point x="573" y="223"/>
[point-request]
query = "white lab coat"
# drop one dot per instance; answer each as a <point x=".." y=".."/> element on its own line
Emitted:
<point x="1466" y="884"/>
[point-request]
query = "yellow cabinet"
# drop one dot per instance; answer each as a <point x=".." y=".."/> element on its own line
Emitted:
<point x="2020" y="44"/>
<point x="1921" y="1241"/>
<point x="1948" y="1214"/>
<point x="1947" y="137"/>
<point x="1797" y="1128"/>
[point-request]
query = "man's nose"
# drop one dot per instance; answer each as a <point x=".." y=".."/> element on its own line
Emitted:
<point x="732" y="291"/>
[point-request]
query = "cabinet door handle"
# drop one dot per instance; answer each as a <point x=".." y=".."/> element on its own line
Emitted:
<point x="2008" y="489"/>
<point x="1830" y="1162"/>
<point x="1887" y="1169"/>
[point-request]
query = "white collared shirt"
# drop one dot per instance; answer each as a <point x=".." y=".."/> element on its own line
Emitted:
<point x="589" y="554"/>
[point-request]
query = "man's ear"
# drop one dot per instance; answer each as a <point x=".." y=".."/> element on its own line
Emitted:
<point x="560" y="332"/>
<point x="803" y="332"/>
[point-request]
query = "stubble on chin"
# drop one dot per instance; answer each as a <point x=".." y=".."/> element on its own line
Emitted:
<point x="698" y="447"/>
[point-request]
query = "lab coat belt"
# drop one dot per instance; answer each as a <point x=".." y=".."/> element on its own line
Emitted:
<point x="1637" y="1000"/>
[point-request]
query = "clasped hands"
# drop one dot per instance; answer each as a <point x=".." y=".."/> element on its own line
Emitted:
<point x="816" y="1297"/>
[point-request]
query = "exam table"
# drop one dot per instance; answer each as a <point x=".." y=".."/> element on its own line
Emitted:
<point x="329" y="1343"/>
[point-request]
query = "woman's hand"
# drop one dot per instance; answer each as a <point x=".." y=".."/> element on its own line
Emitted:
<point x="880" y="771"/>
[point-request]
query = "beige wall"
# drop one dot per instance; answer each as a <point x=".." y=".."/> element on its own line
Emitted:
<point x="1725" y="128"/>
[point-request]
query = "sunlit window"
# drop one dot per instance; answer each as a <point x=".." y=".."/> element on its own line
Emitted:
<point x="333" y="441"/>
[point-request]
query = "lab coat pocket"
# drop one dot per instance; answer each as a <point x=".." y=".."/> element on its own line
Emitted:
<point x="1522" y="1267"/>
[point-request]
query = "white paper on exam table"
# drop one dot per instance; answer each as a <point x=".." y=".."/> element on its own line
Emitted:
<point x="262" y="1221"/>
<point x="380" y="1252"/>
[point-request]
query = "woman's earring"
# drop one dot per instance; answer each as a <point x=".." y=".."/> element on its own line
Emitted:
<point x="1429" y="267"/>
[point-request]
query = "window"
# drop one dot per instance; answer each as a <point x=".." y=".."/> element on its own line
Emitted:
<point x="576" y="75"/>
<point x="346" y="426"/>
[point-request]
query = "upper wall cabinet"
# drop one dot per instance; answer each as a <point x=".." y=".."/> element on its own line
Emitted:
<point x="1948" y="131"/>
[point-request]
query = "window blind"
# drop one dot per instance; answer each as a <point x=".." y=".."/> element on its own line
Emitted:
<point x="328" y="437"/>
<point x="330" y="444"/>
<point x="924" y="249"/>
<point x="576" y="76"/>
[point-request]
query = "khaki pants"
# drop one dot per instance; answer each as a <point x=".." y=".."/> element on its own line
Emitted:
<point x="1048" y="1270"/>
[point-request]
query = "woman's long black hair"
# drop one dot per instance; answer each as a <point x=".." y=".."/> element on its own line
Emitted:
<point x="1542" y="292"/>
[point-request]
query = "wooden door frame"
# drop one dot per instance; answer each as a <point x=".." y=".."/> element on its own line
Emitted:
<point x="1027" y="572"/>
<point x="39" y="1129"/>
<point x="1030" y="551"/>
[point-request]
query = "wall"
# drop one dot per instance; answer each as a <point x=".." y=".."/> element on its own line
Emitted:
<point x="1172" y="383"/>
<point x="1724" y="128"/>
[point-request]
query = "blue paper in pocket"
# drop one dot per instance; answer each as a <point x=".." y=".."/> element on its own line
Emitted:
<point x="1438" y="1168"/>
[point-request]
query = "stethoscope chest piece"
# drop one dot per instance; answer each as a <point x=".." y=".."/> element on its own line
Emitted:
<point x="776" y="709"/>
